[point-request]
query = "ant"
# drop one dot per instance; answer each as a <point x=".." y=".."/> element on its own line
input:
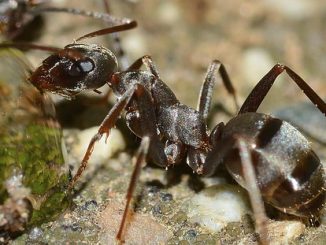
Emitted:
<point x="266" y="155"/>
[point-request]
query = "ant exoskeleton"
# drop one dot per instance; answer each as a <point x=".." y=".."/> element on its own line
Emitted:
<point x="267" y="156"/>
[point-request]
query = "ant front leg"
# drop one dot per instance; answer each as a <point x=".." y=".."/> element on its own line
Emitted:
<point x="148" y="128"/>
<point x="258" y="94"/>
<point x="205" y="98"/>
<point x="148" y="62"/>
<point x="108" y="122"/>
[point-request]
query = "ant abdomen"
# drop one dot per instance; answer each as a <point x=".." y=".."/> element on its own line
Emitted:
<point x="75" y="68"/>
<point x="289" y="173"/>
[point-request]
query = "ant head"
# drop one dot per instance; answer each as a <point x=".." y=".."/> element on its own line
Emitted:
<point x="75" y="68"/>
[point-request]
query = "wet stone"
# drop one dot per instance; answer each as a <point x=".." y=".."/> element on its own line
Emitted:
<point x="152" y="190"/>
<point x="90" y="205"/>
<point x="156" y="210"/>
<point x="190" y="235"/>
<point x="166" y="197"/>
<point x="75" y="227"/>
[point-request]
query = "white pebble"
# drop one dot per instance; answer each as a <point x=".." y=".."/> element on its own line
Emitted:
<point x="102" y="151"/>
<point x="282" y="232"/>
<point x="218" y="205"/>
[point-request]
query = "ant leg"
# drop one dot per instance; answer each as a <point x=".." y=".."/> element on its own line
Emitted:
<point x="257" y="95"/>
<point x="214" y="158"/>
<point x="148" y="127"/>
<point x="108" y="122"/>
<point x="148" y="62"/>
<point x="256" y="200"/>
<point x="140" y="161"/>
<point x="205" y="98"/>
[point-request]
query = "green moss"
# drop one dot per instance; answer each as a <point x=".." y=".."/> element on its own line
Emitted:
<point x="36" y="153"/>
<point x="56" y="202"/>
<point x="30" y="143"/>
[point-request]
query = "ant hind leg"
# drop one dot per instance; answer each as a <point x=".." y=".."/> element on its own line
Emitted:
<point x="257" y="95"/>
<point x="256" y="200"/>
<point x="139" y="163"/>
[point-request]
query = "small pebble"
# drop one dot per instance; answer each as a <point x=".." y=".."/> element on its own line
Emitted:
<point x="282" y="232"/>
<point x="90" y="205"/>
<point x="166" y="197"/>
<point x="76" y="227"/>
<point x="35" y="233"/>
<point x="152" y="190"/>
<point x="217" y="206"/>
<point x="191" y="234"/>
<point x="179" y="217"/>
<point x="156" y="210"/>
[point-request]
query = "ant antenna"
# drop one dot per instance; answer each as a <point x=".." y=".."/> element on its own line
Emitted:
<point x="117" y="24"/>
<point x="96" y="15"/>
<point x="126" y="26"/>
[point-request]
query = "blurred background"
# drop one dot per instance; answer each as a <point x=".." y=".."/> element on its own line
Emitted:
<point x="182" y="37"/>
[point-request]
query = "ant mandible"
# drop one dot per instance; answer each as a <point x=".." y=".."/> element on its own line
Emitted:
<point x="267" y="156"/>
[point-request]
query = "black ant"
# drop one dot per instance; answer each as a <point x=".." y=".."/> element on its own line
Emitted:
<point x="267" y="156"/>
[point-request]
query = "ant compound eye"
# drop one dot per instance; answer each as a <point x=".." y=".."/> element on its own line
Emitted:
<point x="81" y="67"/>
